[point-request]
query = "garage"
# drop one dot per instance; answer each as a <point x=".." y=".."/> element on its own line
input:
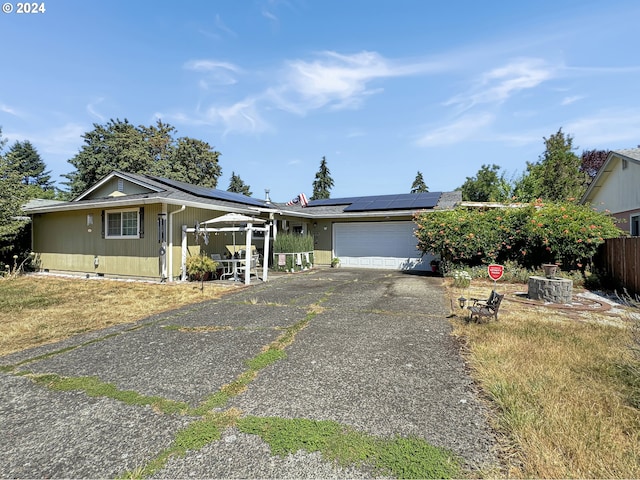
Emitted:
<point x="386" y="245"/>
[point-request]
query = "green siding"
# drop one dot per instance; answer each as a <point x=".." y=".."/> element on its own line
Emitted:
<point x="65" y="242"/>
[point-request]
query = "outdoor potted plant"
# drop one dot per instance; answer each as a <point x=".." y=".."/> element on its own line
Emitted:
<point x="200" y="267"/>
<point x="335" y="262"/>
<point x="435" y="265"/>
<point x="550" y="269"/>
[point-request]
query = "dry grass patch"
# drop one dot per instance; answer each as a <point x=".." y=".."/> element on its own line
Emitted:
<point x="37" y="310"/>
<point x="559" y="392"/>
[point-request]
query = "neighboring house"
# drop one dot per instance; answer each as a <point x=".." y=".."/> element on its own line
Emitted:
<point x="132" y="225"/>
<point x="616" y="188"/>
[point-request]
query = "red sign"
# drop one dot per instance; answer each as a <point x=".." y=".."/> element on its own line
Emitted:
<point x="495" y="272"/>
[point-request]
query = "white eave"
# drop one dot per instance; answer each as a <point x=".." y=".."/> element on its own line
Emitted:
<point x="117" y="202"/>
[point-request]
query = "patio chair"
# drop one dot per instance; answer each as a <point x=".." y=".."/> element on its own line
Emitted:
<point x="486" y="309"/>
<point x="249" y="266"/>
<point x="477" y="302"/>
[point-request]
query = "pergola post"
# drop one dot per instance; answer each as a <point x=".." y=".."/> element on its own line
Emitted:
<point x="265" y="256"/>
<point x="183" y="259"/>
<point x="247" y="254"/>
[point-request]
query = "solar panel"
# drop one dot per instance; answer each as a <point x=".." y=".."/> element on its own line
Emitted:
<point x="330" y="202"/>
<point x="403" y="204"/>
<point x="213" y="193"/>
<point x="406" y="201"/>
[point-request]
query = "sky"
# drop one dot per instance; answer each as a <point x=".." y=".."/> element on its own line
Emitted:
<point x="382" y="89"/>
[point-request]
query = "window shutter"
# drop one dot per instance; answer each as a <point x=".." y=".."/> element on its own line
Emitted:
<point x="103" y="224"/>
<point x="141" y="222"/>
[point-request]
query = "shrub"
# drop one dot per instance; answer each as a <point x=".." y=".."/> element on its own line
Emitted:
<point x="199" y="265"/>
<point x="530" y="235"/>
<point x="294" y="243"/>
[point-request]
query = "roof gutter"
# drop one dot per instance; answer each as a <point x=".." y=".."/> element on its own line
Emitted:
<point x="70" y="206"/>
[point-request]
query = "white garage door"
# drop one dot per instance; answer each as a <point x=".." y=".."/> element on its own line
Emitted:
<point x="390" y="245"/>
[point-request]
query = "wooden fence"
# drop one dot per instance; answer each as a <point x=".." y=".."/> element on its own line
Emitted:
<point x="620" y="260"/>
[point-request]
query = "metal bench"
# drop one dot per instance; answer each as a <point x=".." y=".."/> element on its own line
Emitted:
<point x="485" y="308"/>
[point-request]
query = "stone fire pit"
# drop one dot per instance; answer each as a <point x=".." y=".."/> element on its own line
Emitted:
<point x="552" y="290"/>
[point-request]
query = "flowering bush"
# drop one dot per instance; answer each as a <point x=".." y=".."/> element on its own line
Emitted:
<point x="531" y="235"/>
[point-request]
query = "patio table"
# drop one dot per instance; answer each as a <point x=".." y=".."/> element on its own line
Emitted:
<point x="230" y="266"/>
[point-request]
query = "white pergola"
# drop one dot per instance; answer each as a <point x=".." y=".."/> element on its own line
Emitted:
<point x="231" y="222"/>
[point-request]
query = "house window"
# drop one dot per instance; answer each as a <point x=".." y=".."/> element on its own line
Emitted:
<point x="123" y="224"/>
<point x="625" y="164"/>
<point x="634" y="225"/>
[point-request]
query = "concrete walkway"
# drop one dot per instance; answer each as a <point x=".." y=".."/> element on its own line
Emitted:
<point x="377" y="356"/>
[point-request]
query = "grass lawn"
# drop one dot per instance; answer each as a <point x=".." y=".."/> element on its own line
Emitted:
<point x="560" y="384"/>
<point x="36" y="310"/>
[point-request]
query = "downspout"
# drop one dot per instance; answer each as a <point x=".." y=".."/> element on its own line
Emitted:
<point x="171" y="214"/>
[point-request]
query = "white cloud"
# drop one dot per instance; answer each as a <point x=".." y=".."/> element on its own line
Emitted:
<point x="464" y="128"/>
<point x="91" y="108"/>
<point x="336" y="80"/>
<point x="241" y="117"/>
<point x="215" y="72"/>
<point x="570" y="100"/>
<point x="205" y="65"/>
<point x="606" y="129"/>
<point x="499" y="84"/>
<point x="10" y="110"/>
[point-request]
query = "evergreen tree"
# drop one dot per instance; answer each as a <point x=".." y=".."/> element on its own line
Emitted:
<point x="14" y="232"/>
<point x="323" y="182"/>
<point x="486" y="186"/>
<point x="24" y="159"/>
<point x="236" y="185"/>
<point x="557" y="176"/>
<point x="418" y="185"/>
<point x="192" y="161"/>
<point x="119" y="145"/>
<point x="561" y="176"/>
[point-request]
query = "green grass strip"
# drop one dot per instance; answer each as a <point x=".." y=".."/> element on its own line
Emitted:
<point x="195" y="436"/>
<point x="94" y="387"/>
<point x="273" y="352"/>
<point x="398" y="456"/>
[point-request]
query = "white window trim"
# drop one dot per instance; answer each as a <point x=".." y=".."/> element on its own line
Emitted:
<point x="120" y="237"/>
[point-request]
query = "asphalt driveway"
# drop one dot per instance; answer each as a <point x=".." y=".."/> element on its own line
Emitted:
<point x="376" y="355"/>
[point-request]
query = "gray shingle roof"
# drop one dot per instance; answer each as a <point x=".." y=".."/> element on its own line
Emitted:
<point x="633" y="153"/>
<point x="171" y="193"/>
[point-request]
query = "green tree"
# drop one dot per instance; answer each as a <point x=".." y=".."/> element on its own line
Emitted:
<point x="527" y="187"/>
<point x="557" y="176"/>
<point x="236" y="185"/>
<point x="192" y="161"/>
<point x="323" y="183"/>
<point x="418" y="185"/>
<point x="14" y="231"/>
<point x="24" y="159"/>
<point x="119" y="145"/>
<point x="487" y="186"/>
